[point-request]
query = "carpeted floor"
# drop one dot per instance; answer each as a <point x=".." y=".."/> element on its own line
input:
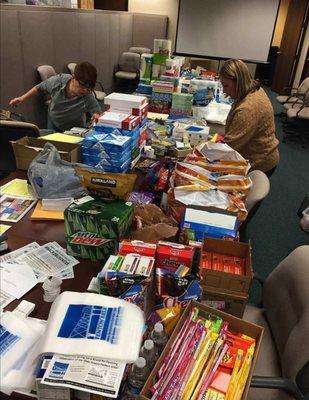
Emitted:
<point x="274" y="230"/>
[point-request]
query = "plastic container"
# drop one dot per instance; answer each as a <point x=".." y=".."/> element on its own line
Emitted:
<point x="148" y="351"/>
<point x="159" y="337"/>
<point x="137" y="377"/>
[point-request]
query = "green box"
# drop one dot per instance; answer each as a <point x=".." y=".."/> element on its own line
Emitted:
<point x="110" y="220"/>
<point x="96" y="252"/>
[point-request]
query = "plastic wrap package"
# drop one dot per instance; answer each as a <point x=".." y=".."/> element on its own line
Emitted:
<point x="217" y="112"/>
<point x="218" y="151"/>
<point x="93" y="325"/>
<point x="19" y="340"/>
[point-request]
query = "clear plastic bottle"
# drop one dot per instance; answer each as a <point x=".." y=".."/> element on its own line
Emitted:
<point x="137" y="377"/>
<point x="159" y="337"/>
<point x="149" y="352"/>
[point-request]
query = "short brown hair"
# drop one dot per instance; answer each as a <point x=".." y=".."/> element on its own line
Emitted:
<point x="86" y="74"/>
<point x="238" y="71"/>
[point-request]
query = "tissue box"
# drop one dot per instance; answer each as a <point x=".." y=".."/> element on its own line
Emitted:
<point x="109" y="220"/>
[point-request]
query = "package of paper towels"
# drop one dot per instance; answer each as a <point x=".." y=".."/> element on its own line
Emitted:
<point x="94" y="325"/>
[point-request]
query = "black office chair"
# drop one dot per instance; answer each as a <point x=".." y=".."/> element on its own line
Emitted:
<point x="126" y="73"/>
<point x="12" y="130"/>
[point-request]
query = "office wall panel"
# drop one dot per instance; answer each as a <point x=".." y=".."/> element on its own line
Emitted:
<point x="38" y="49"/>
<point x="126" y="32"/>
<point x="33" y="36"/>
<point x="102" y="46"/>
<point x="147" y="27"/>
<point x="65" y="35"/>
<point x="11" y="60"/>
<point x="86" y="37"/>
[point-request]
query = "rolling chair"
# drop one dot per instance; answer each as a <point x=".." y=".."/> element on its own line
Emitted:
<point x="139" y="50"/>
<point x="99" y="94"/>
<point x="126" y="73"/>
<point x="259" y="190"/>
<point x="12" y="130"/>
<point x="45" y="72"/>
<point x="282" y="368"/>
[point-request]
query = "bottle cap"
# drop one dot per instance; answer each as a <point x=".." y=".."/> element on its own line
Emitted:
<point x="158" y="327"/>
<point x="148" y="344"/>
<point x="140" y="362"/>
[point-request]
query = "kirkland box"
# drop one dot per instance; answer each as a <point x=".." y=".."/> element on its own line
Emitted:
<point x="235" y="324"/>
<point x="219" y="280"/>
<point x="228" y="302"/>
<point x="26" y="148"/>
<point x="109" y="220"/>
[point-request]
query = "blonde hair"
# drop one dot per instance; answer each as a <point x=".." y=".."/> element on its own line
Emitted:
<point x="238" y="71"/>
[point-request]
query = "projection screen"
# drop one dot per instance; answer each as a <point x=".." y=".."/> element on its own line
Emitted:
<point x="226" y="28"/>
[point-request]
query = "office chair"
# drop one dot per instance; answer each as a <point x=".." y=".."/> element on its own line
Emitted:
<point x="99" y="94"/>
<point x="45" y="72"/>
<point x="126" y="73"/>
<point x="259" y="190"/>
<point x="296" y="96"/>
<point x="12" y="130"/>
<point x="282" y="368"/>
<point x="139" y="50"/>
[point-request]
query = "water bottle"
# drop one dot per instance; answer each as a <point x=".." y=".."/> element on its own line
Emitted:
<point x="149" y="352"/>
<point x="137" y="377"/>
<point x="159" y="337"/>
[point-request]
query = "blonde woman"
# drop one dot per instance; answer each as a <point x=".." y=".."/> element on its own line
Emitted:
<point x="250" y="125"/>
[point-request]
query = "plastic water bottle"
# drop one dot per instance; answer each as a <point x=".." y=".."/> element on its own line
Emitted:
<point x="137" y="377"/>
<point x="149" y="352"/>
<point x="159" y="337"/>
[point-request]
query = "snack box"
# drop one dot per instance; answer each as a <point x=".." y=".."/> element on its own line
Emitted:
<point x="219" y="280"/>
<point x="171" y="255"/>
<point x="235" y="324"/>
<point x="137" y="247"/>
<point x="125" y="100"/>
<point x="228" y="302"/>
<point x="110" y="220"/>
<point x="118" y="120"/>
<point x="94" y="247"/>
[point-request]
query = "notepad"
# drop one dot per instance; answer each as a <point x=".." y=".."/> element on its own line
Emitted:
<point x="18" y="187"/>
<point x="39" y="214"/>
<point x="61" y="137"/>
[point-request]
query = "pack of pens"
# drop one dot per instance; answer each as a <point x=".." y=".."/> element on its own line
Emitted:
<point x="210" y="356"/>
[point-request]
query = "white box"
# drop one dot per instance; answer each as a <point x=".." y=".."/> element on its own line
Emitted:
<point x="123" y="100"/>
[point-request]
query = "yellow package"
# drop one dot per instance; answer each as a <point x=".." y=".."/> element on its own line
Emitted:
<point x="107" y="185"/>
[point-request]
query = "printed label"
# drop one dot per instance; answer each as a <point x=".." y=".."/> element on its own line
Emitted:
<point x="7" y="340"/>
<point x="104" y="182"/>
<point x="91" y="322"/>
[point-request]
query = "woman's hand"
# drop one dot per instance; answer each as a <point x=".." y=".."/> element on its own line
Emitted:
<point x="95" y="117"/>
<point x="15" y="102"/>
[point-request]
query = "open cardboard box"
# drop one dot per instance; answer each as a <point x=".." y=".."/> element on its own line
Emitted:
<point x="211" y="279"/>
<point x="26" y="148"/>
<point x="235" y="324"/>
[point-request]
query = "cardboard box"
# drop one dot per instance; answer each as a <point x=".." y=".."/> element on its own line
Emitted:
<point x="171" y="255"/>
<point x="26" y="148"/>
<point x="219" y="280"/>
<point x="233" y="304"/>
<point x="235" y="324"/>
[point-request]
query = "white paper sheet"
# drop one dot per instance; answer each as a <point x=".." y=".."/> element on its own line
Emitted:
<point x="16" y="279"/>
<point x="13" y="255"/>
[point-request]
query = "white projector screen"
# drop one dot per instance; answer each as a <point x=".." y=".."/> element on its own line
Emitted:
<point x="241" y="29"/>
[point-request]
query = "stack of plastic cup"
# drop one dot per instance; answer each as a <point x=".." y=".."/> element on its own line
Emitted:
<point x="51" y="287"/>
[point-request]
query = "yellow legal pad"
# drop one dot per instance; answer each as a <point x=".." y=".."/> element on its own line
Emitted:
<point x="62" y="137"/>
<point x="39" y="214"/>
<point x="18" y="187"/>
<point x="4" y="228"/>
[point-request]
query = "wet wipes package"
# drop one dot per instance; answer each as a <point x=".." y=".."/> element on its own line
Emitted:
<point x="93" y="325"/>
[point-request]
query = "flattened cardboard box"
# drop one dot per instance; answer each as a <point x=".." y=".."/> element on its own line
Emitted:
<point x="235" y="324"/>
<point x="27" y="148"/>
<point x="223" y="280"/>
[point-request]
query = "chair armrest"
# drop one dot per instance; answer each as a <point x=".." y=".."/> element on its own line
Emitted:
<point x="116" y="68"/>
<point x="258" y="278"/>
<point x="101" y="86"/>
<point x="269" y="382"/>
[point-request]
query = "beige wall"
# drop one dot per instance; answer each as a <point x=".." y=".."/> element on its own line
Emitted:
<point x="302" y="59"/>
<point x="282" y="14"/>
<point x="162" y="7"/>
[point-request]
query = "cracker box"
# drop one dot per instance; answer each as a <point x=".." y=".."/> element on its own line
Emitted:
<point x="137" y="247"/>
<point x="171" y="255"/>
<point x="235" y="324"/>
<point x="231" y="303"/>
<point x="109" y="220"/>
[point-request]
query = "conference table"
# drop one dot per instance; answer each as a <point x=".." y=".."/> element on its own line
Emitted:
<point x="27" y="231"/>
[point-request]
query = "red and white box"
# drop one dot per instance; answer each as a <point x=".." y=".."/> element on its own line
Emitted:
<point x="127" y="101"/>
<point x="140" y="112"/>
<point x="118" y="120"/>
<point x="171" y="255"/>
<point x="137" y="247"/>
